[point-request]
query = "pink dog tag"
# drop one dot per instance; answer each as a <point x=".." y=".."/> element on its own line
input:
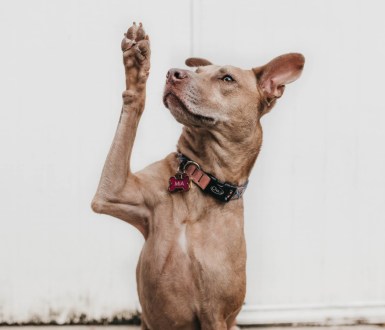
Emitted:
<point x="179" y="182"/>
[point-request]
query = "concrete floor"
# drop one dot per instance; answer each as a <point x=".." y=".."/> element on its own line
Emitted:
<point x="123" y="327"/>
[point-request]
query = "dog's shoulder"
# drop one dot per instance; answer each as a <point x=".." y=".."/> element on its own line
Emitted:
<point x="154" y="178"/>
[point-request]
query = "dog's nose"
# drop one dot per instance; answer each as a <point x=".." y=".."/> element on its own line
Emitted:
<point x="176" y="75"/>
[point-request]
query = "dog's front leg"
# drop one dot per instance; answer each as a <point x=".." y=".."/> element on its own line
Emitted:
<point x="119" y="193"/>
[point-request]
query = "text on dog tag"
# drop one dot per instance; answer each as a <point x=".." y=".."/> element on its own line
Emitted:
<point x="179" y="182"/>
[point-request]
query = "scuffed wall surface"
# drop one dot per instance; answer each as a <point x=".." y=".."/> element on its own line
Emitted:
<point x="315" y="205"/>
<point x="61" y="80"/>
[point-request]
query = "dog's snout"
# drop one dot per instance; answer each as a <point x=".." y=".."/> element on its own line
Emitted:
<point x="180" y="74"/>
<point x="176" y="75"/>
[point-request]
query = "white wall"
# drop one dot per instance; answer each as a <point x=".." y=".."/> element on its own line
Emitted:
<point x="315" y="208"/>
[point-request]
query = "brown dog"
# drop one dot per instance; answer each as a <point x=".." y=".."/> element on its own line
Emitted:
<point x="191" y="272"/>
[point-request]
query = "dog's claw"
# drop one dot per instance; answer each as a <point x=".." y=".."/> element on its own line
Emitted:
<point x="133" y="36"/>
<point x="140" y="34"/>
<point x="131" y="32"/>
<point x="136" y="32"/>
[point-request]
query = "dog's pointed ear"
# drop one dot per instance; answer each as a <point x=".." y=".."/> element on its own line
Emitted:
<point x="196" y="61"/>
<point x="273" y="76"/>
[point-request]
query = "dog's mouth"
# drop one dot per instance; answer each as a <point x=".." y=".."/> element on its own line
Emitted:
<point x="181" y="105"/>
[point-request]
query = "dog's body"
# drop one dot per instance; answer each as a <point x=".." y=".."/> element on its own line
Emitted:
<point x="180" y="283"/>
<point x="191" y="272"/>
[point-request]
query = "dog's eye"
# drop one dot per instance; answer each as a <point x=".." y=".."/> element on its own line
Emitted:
<point x="227" y="78"/>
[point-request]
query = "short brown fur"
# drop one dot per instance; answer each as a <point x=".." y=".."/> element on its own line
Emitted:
<point x="191" y="272"/>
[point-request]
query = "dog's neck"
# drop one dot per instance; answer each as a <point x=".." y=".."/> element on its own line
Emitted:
<point x="227" y="160"/>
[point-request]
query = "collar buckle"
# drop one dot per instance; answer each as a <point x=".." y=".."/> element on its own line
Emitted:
<point x="187" y="164"/>
<point x="222" y="191"/>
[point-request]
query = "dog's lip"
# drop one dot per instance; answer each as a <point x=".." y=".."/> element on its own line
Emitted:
<point x="185" y="108"/>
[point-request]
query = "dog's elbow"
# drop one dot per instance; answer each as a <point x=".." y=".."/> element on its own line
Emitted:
<point x="98" y="205"/>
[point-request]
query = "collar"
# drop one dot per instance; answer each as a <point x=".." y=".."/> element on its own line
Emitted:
<point x="222" y="191"/>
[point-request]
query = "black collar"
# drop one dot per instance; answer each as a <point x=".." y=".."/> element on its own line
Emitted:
<point x="222" y="191"/>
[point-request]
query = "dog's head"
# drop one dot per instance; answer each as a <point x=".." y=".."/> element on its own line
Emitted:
<point x="226" y="96"/>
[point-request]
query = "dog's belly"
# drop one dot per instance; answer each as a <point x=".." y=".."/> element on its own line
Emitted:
<point x="191" y="270"/>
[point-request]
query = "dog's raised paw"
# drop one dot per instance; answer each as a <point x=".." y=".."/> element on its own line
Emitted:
<point x="136" y="47"/>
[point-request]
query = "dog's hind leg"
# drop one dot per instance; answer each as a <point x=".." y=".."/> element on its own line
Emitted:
<point x="217" y="325"/>
<point x="234" y="327"/>
<point x="144" y="326"/>
<point x="232" y="322"/>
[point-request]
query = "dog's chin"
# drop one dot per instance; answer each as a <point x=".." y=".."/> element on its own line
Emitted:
<point x="183" y="114"/>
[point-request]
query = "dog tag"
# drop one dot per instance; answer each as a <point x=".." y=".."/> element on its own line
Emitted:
<point x="179" y="182"/>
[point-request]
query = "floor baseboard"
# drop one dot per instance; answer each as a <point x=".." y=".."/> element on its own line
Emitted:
<point x="344" y="314"/>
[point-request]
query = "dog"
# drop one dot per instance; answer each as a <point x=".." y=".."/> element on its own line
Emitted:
<point x="189" y="206"/>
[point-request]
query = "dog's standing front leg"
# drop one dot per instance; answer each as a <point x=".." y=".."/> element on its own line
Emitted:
<point x="120" y="192"/>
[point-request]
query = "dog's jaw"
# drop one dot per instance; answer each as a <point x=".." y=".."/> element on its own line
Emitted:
<point x="183" y="98"/>
<point x="183" y="112"/>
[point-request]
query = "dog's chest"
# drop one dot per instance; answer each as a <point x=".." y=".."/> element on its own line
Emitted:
<point x="193" y="254"/>
<point x="175" y="282"/>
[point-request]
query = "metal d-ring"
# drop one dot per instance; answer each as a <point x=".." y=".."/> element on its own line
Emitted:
<point x="188" y="163"/>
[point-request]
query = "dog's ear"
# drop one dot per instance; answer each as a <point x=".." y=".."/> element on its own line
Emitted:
<point x="196" y="61"/>
<point x="273" y="76"/>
